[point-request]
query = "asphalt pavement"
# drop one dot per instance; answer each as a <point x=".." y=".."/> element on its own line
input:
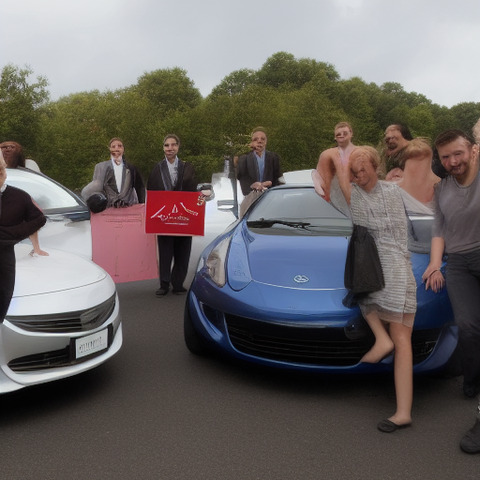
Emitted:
<point x="155" y="411"/>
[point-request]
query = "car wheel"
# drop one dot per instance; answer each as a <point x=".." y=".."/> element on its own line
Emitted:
<point x="193" y="340"/>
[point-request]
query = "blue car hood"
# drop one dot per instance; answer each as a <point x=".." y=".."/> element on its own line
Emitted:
<point x="297" y="262"/>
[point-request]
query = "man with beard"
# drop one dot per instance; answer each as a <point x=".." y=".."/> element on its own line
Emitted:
<point x="456" y="232"/>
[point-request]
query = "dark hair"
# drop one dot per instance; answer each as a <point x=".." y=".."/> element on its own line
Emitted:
<point x="451" y="135"/>
<point x="172" y="135"/>
<point x="18" y="158"/>
<point x="403" y="129"/>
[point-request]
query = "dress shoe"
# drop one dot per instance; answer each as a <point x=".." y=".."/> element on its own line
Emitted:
<point x="470" y="442"/>
<point x="179" y="291"/>
<point x="471" y="390"/>
<point x="161" y="292"/>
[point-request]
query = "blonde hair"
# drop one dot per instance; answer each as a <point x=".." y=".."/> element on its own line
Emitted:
<point x="366" y="152"/>
<point x="418" y="147"/>
<point x="343" y="125"/>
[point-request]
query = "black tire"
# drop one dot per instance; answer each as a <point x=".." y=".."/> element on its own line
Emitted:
<point x="194" y="342"/>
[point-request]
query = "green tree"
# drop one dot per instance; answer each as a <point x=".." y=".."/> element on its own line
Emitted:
<point x="20" y="100"/>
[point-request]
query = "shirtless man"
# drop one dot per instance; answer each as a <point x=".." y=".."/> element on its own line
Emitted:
<point x="323" y="175"/>
<point x="418" y="178"/>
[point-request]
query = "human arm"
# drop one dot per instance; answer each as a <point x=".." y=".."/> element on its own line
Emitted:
<point x="433" y="277"/>
<point x="325" y="172"/>
<point x="36" y="246"/>
<point x="343" y="175"/>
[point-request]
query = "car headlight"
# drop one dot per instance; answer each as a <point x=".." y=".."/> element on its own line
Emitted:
<point x="216" y="262"/>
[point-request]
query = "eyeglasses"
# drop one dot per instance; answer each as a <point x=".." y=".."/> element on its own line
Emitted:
<point x="170" y="144"/>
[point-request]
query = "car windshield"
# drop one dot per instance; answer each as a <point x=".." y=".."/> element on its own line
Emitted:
<point x="297" y="211"/>
<point x="50" y="196"/>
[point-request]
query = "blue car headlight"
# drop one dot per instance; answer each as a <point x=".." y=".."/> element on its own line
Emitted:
<point x="216" y="262"/>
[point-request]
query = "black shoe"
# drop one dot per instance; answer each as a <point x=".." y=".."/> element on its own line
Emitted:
<point x="471" y="390"/>
<point x="387" y="426"/>
<point x="470" y="442"/>
<point x="161" y="292"/>
<point x="179" y="291"/>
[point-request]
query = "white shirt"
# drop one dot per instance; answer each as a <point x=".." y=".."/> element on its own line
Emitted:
<point x="118" y="171"/>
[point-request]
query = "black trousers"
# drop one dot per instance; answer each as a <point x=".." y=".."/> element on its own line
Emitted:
<point x="7" y="278"/>
<point x="463" y="286"/>
<point x="176" y="249"/>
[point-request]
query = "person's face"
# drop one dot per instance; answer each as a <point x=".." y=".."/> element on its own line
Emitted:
<point x="394" y="140"/>
<point x="363" y="172"/>
<point x="259" y="142"/>
<point x="3" y="171"/>
<point x="9" y="150"/>
<point x="343" y="136"/>
<point x="170" y="147"/>
<point x="116" y="149"/>
<point x="458" y="157"/>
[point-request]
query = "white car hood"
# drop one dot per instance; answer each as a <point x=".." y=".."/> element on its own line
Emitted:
<point x="59" y="271"/>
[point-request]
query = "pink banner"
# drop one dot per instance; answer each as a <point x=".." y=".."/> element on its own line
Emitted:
<point x="120" y="245"/>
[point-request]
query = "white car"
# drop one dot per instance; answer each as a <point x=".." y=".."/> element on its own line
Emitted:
<point x="64" y="317"/>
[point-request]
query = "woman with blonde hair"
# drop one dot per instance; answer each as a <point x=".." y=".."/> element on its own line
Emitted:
<point x="378" y="206"/>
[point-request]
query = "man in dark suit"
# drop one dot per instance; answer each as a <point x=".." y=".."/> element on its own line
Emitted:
<point x="171" y="173"/>
<point x="259" y="169"/>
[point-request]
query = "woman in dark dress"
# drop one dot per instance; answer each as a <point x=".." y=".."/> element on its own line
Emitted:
<point x="19" y="218"/>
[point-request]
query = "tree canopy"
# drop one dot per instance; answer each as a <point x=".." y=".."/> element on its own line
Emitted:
<point x="297" y="101"/>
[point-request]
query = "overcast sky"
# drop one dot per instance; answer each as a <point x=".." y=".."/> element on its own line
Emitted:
<point x="431" y="47"/>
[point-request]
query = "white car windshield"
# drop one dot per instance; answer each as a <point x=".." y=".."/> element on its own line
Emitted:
<point x="50" y="196"/>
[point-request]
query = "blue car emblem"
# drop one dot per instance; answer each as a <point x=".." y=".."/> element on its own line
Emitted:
<point x="301" y="278"/>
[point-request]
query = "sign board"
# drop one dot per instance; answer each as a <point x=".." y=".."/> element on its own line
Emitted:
<point x="175" y="213"/>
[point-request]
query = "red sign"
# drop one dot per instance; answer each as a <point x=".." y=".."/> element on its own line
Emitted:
<point x="175" y="213"/>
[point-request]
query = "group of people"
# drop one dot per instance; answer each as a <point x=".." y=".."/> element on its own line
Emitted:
<point x="117" y="183"/>
<point x="348" y="176"/>
<point x="412" y="184"/>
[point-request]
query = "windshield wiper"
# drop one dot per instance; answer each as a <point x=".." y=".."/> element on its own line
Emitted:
<point x="262" y="223"/>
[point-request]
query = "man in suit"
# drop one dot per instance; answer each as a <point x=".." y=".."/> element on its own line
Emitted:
<point x="171" y="173"/>
<point x="259" y="169"/>
<point x="120" y="182"/>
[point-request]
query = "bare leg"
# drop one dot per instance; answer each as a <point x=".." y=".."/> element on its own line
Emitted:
<point x="383" y="343"/>
<point x="403" y="373"/>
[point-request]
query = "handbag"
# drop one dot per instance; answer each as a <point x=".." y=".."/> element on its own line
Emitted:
<point x="363" y="270"/>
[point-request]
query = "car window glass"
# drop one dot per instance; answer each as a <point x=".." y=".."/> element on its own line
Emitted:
<point x="299" y="204"/>
<point x="294" y="203"/>
<point x="46" y="193"/>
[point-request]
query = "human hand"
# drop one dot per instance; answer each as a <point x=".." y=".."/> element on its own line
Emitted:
<point x="258" y="186"/>
<point x="39" y="251"/>
<point x="433" y="278"/>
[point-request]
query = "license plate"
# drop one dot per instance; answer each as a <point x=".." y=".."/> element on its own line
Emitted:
<point x="93" y="343"/>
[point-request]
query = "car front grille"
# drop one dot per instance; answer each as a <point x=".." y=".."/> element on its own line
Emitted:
<point x="311" y="346"/>
<point x="68" y="322"/>
<point x="53" y="359"/>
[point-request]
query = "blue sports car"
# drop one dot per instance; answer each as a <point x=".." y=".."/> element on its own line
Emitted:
<point x="269" y="290"/>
